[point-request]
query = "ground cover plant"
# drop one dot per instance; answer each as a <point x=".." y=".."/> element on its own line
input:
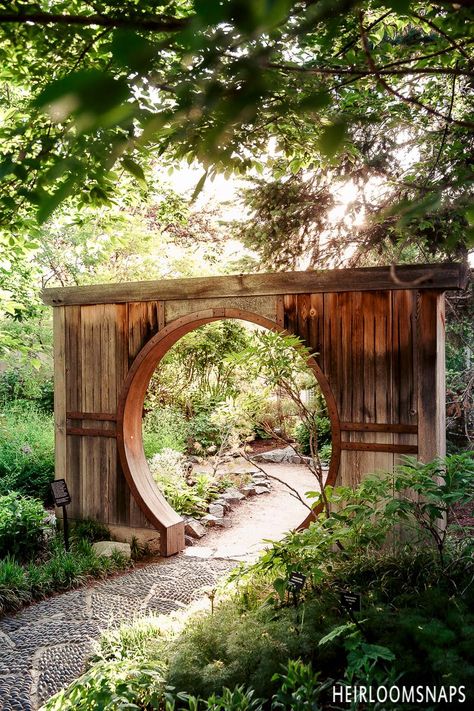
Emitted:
<point x="33" y="562"/>
<point x="266" y="647"/>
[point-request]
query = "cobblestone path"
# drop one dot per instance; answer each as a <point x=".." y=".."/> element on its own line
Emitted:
<point x="44" y="647"/>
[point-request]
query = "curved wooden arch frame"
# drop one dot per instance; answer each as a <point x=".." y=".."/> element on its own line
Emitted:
<point x="129" y="421"/>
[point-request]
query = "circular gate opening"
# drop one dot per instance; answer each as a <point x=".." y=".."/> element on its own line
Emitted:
<point x="130" y="434"/>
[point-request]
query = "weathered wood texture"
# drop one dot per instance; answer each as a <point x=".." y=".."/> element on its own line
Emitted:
<point x="372" y="346"/>
<point x="380" y="349"/>
<point x="412" y="276"/>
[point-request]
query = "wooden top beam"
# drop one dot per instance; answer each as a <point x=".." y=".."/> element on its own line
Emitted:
<point x="412" y="276"/>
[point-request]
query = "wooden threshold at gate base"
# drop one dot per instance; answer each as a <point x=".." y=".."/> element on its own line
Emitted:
<point x="91" y="416"/>
<point x="378" y="427"/>
<point x="376" y="447"/>
<point x="90" y="432"/>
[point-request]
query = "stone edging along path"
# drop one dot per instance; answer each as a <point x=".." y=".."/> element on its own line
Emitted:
<point x="44" y="647"/>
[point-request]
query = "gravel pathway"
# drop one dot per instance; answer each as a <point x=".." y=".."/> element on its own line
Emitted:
<point x="44" y="647"/>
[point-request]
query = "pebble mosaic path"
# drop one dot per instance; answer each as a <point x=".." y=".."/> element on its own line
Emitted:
<point x="44" y="647"/>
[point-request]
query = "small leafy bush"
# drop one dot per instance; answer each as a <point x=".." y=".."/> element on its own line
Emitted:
<point x="325" y="453"/>
<point x="203" y="432"/>
<point x="26" y="387"/>
<point x="300" y="687"/>
<point x="168" y="471"/>
<point x="21" y="526"/>
<point x="109" y="686"/>
<point x="164" y="428"/>
<point x="91" y="531"/>
<point x="323" y="430"/>
<point x="27" y="453"/>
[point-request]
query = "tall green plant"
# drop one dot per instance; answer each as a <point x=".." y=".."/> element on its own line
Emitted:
<point x="21" y="521"/>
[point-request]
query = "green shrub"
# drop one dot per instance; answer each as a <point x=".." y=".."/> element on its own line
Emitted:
<point x="91" y="531"/>
<point x="27" y="453"/>
<point x="167" y="469"/>
<point x="164" y="428"/>
<point x="109" y="686"/>
<point x="203" y="432"/>
<point x="323" y="429"/>
<point x="236" y="646"/>
<point x="58" y="571"/>
<point x="27" y="387"/>
<point x="21" y="526"/>
<point x="300" y="687"/>
<point x="14" y="587"/>
<point x="325" y="453"/>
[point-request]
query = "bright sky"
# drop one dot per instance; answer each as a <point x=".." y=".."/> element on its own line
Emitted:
<point x="223" y="192"/>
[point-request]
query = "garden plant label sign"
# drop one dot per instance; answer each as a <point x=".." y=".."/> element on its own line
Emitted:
<point x="351" y="601"/>
<point x="296" y="581"/>
<point x="60" y="491"/>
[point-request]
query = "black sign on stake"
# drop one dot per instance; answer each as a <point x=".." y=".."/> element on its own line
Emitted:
<point x="62" y="498"/>
<point x="296" y="581"/>
<point x="351" y="601"/>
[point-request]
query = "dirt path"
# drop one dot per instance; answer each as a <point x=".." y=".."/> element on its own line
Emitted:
<point x="265" y="516"/>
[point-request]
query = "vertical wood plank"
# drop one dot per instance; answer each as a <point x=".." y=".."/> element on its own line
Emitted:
<point x="280" y="311"/>
<point x="119" y="490"/>
<point x="431" y="376"/>
<point x="383" y="384"/>
<point x="404" y="409"/>
<point x="91" y="360"/>
<point x="161" y="314"/>
<point x="291" y="317"/>
<point x="74" y="403"/>
<point x="316" y="332"/>
<point x="302" y="316"/>
<point x="59" y="350"/>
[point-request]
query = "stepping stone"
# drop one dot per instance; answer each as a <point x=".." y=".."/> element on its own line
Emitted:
<point x="262" y="490"/>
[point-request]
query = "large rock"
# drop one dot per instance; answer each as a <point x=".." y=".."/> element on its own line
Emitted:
<point x="107" y="548"/>
<point x="275" y="455"/>
<point x="216" y="510"/>
<point x="261" y="480"/>
<point x="249" y="490"/>
<point x="224" y="503"/>
<point x="285" y="454"/>
<point x="194" y="528"/>
<point x="211" y="521"/>
<point x="233" y="496"/>
<point x="262" y="490"/>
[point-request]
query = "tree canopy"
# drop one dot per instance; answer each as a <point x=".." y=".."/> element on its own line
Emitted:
<point x="337" y="88"/>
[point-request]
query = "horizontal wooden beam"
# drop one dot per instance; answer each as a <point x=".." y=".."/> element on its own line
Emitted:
<point x="378" y="427"/>
<point x="91" y="416"/>
<point x="411" y="276"/>
<point x="376" y="447"/>
<point x="90" y="432"/>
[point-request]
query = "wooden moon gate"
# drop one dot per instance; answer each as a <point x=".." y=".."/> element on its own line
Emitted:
<point x="379" y="344"/>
